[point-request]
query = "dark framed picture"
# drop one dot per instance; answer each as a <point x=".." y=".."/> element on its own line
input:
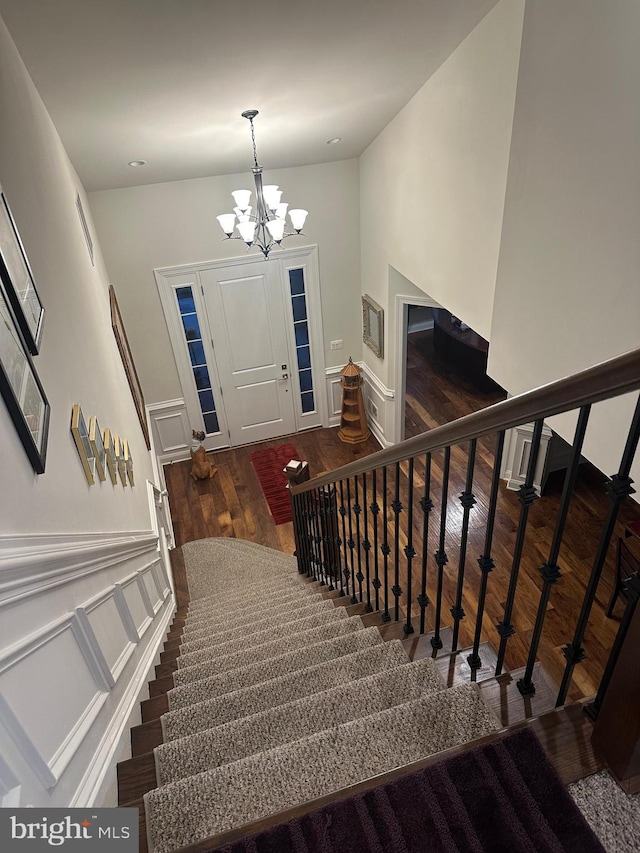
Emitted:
<point x="18" y="280"/>
<point x="129" y="366"/>
<point x="21" y="390"/>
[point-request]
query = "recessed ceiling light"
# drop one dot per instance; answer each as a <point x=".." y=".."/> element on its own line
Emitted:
<point x="137" y="162"/>
<point x="334" y="141"/>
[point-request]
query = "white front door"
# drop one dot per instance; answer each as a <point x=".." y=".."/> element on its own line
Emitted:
<point x="246" y="315"/>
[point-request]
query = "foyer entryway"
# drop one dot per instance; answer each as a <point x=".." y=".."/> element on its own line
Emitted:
<point x="247" y="339"/>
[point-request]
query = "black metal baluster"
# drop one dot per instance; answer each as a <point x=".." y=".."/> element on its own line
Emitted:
<point x="409" y="550"/>
<point x="351" y="543"/>
<point x="357" y="509"/>
<point x="343" y="514"/>
<point x="549" y="570"/>
<point x="324" y="543"/>
<point x="386" y="616"/>
<point x="618" y="488"/>
<point x="441" y="554"/>
<point x="427" y="505"/>
<point x="397" y="508"/>
<point x="311" y="535"/>
<point x="486" y="561"/>
<point x="468" y="501"/>
<point x="338" y="542"/>
<point x="318" y="535"/>
<point x="366" y="545"/>
<point x="328" y="503"/>
<point x="526" y="495"/>
<point x="297" y="529"/>
<point x="305" y="532"/>
<point x="375" y="510"/>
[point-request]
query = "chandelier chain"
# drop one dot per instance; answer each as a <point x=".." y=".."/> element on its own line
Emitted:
<point x="253" y="140"/>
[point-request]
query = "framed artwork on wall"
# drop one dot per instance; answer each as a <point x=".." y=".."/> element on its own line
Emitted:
<point x="17" y="278"/>
<point x="119" y="456"/>
<point x="373" y="325"/>
<point x="21" y="389"/>
<point x="129" y="366"/>
<point x="110" y="455"/>
<point x="97" y="447"/>
<point x="80" y="435"/>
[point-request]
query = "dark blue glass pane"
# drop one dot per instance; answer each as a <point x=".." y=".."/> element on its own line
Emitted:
<point x="191" y="327"/>
<point x="211" y="423"/>
<point x="296" y="280"/>
<point x="207" y="403"/>
<point x="196" y="353"/>
<point x="299" y="308"/>
<point x="304" y="357"/>
<point x="307" y="401"/>
<point x="185" y="300"/>
<point x="306" y="380"/>
<point x="201" y="375"/>
<point x="302" y="334"/>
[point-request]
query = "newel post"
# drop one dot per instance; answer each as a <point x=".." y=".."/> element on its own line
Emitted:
<point x="616" y="734"/>
<point x="298" y="472"/>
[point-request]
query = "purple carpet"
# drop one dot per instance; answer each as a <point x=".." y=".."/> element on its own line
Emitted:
<point x="504" y="797"/>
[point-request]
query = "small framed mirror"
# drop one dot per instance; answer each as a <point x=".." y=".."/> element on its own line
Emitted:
<point x="373" y="325"/>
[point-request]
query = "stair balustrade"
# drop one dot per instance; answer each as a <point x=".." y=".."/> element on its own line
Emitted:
<point x="374" y="515"/>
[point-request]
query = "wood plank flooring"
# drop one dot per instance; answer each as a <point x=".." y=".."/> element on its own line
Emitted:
<point x="232" y="504"/>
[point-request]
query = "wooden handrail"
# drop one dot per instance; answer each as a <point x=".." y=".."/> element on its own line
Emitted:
<point x="611" y="378"/>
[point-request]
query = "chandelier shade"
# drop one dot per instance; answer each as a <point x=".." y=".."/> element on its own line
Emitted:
<point x="265" y="228"/>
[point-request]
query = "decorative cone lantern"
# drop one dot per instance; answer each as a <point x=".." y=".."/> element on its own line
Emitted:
<point x="353" y="421"/>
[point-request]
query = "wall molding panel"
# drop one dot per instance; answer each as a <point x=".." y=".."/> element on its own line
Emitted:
<point x="170" y="430"/>
<point x="31" y="565"/>
<point x="87" y="615"/>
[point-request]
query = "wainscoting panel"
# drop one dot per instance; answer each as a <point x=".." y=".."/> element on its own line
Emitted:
<point x="379" y="403"/>
<point x="154" y="595"/>
<point x="33" y="674"/>
<point x="77" y="611"/>
<point x="171" y="430"/>
<point x="104" y="618"/>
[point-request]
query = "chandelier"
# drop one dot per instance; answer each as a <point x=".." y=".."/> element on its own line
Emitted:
<point x="264" y="227"/>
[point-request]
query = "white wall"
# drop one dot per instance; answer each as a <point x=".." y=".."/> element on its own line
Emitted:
<point x="159" y="225"/>
<point x="84" y="602"/>
<point x="79" y="361"/>
<point x="433" y="182"/>
<point x="568" y="291"/>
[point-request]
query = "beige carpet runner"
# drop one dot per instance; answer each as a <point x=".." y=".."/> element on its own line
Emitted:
<point x="280" y="698"/>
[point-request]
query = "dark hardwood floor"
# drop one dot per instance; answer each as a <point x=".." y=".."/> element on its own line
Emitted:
<point x="232" y="504"/>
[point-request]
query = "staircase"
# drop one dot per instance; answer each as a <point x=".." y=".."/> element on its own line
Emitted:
<point x="291" y="682"/>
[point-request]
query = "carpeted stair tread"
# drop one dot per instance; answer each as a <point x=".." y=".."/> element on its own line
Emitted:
<point x="612" y="814"/>
<point x="211" y="802"/>
<point x="225" y="682"/>
<point x="295" y="642"/>
<point x="213" y="562"/>
<point x="228" y="592"/>
<point x="502" y="796"/>
<point x="246" y="600"/>
<point x="246" y="622"/>
<point x="198" y="651"/>
<point x="294" y="720"/>
<point x="282" y="689"/>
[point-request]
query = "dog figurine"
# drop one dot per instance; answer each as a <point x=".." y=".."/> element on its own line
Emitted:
<point x="201" y="469"/>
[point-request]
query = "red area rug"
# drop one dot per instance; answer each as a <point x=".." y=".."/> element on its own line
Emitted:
<point x="268" y="465"/>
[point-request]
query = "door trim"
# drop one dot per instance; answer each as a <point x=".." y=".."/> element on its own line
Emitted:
<point x="306" y="257"/>
<point x="402" y="319"/>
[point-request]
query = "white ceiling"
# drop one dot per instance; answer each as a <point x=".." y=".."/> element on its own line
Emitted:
<point x="166" y="80"/>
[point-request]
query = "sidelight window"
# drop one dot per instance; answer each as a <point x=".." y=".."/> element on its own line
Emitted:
<point x="193" y="338"/>
<point x="301" y="331"/>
